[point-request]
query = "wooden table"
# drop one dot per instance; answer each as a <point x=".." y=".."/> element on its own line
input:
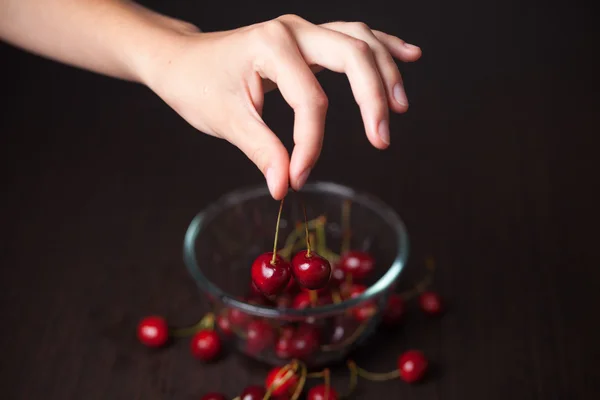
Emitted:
<point x="492" y="169"/>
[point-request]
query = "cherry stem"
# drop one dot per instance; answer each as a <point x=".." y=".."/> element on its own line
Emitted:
<point x="424" y="283"/>
<point x="274" y="259"/>
<point x="313" y="296"/>
<point x="301" y="382"/>
<point x="285" y="373"/>
<point x="207" y="322"/>
<point x="346" y="342"/>
<point x="379" y="377"/>
<point x="346" y="207"/>
<point x="327" y="379"/>
<point x="337" y="298"/>
<point x="305" y="225"/>
<point x="353" y="378"/>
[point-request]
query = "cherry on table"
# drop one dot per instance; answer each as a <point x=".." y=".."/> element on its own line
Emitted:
<point x="259" y="336"/>
<point x="214" y="396"/>
<point x="270" y="275"/>
<point x="394" y="310"/>
<point x="359" y="264"/>
<point x="412" y="366"/>
<point x="253" y="392"/>
<point x="431" y="303"/>
<point x="153" y="331"/>
<point x="319" y="393"/>
<point x="281" y="386"/>
<point x="311" y="270"/>
<point x="205" y="345"/>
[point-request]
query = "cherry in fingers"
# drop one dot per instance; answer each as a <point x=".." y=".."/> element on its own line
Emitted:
<point x="153" y="331"/>
<point x="214" y="396"/>
<point x="311" y="270"/>
<point x="253" y="393"/>
<point x="270" y="275"/>
<point x="430" y="303"/>
<point x="205" y="345"/>
<point x="357" y="263"/>
<point x="320" y="392"/>
<point x="412" y="366"/>
<point x="283" y="381"/>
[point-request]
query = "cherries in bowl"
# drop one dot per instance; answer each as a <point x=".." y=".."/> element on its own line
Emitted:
<point x="282" y="277"/>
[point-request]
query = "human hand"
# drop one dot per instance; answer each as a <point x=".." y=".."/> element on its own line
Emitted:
<point x="216" y="82"/>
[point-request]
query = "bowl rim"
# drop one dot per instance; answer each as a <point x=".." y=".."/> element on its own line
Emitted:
<point x="237" y="196"/>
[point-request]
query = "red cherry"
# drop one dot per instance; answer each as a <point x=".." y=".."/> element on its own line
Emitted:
<point x="364" y="311"/>
<point x="281" y="386"/>
<point x="153" y="331"/>
<point x="253" y="393"/>
<point x="270" y="278"/>
<point x="284" y="301"/>
<point x="205" y="345"/>
<point x="355" y="290"/>
<point x="311" y="271"/>
<point x="238" y="318"/>
<point x="292" y="287"/>
<point x="254" y="290"/>
<point x="319" y="393"/>
<point x="224" y="324"/>
<point x="304" y="342"/>
<point x="357" y="263"/>
<point x="213" y="396"/>
<point x="412" y="365"/>
<point x="338" y="275"/>
<point x="394" y="310"/>
<point x="284" y="344"/>
<point x="259" y="336"/>
<point x="302" y="300"/>
<point x="431" y="303"/>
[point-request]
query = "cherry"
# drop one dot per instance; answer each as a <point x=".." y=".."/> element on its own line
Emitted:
<point x="431" y="303"/>
<point x="281" y="386"/>
<point x="253" y="393"/>
<point x="338" y="275"/>
<point x="284" y="301"/>
<point x="270" y="274"/>
<point x="304" y="342"/>
<point x="284" y="343"/>
<point x="412" y="365"/>
<point x="238" y="318"/>
<point x="153" y="331"/>
<point x="205" y="345"/>
<point x="259" y="336"/>
<point x="224" y="323"/>
<point x="302" y="300"/>
<point x="311" y="270"/>
<point x="364" y="311"/>
<point x="359" y="264"/>
<point x="394" y="310"/>
<point x="319" y="393"/>
<point x="214" y="396"/>
<point x="354" y="290"/>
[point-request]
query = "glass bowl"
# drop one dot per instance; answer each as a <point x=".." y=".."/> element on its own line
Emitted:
<point x="223" y="240"/>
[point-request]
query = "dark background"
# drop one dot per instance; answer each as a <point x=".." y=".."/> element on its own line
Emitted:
<point x="492" y="169"/>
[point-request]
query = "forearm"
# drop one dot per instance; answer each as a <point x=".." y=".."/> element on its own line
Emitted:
<point x="117" y="38"/>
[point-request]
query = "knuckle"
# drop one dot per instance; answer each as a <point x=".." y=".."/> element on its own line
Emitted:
<point x="359" y="27"/>
<point x="360" y="47"/>
<point x="276" y="29"/>
<point x="290" y="18"/>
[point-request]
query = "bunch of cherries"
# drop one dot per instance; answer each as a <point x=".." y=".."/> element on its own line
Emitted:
<point x="309" y="280"/>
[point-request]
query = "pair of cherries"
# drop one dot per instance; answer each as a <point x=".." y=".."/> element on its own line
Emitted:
<point x="153" y="331"/>
<point x="271" y="273"/>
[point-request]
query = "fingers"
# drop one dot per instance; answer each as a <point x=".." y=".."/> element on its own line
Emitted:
<point x="251" y="135"/>
<point x="388" y="70"/>
<point x="285" y="66"/>
<point x="399" y="48"/>
<point x="345" y="54"/>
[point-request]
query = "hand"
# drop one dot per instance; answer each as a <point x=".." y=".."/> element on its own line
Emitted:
<point x="216" y="82"/>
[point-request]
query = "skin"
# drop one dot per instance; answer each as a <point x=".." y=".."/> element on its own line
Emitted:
<point x="216" y="81"/>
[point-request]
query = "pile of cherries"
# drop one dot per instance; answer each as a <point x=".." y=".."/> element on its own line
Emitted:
<point x="309" y="280"/>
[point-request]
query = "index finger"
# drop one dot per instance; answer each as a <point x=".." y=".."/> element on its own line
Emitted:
<point x="299" y="87"/>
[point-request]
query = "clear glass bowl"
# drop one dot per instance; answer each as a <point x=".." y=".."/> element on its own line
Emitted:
<point x="223" y="240"/>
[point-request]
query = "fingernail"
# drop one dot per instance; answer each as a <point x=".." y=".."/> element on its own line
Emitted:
<point x="400" y="95"/>
<point x="384" y="131"/>
<point x="410" y="46"/>
<point x="302" y="179"/>
<point x="270" y="176"/>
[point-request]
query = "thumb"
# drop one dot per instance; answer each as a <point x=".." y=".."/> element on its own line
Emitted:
<point x="254" y="138"/>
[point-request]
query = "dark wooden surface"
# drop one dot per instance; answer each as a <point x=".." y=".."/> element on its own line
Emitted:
<point x="493" y="170"/>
